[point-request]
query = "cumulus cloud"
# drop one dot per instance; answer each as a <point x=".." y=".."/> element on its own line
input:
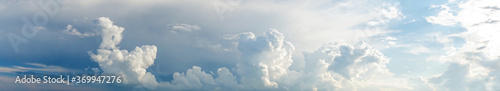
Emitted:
<point x="265" y="59"/>
<point x="111" y="34"/>
<point x="195" y="79"/>
<point x="264" y="65"/>
<point x="265" y="62"/>
<point x="131" y="65"/>
<point x="345" y="67"/>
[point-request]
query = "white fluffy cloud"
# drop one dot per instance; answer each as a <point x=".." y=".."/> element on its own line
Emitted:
<point x="131" y="65"/>
<point x="195" y="79"/>
<point x="339" y="66"/>
<point x="263" y="66"/>
<point x="265" y="62"/>
<point x="265" y="59"/>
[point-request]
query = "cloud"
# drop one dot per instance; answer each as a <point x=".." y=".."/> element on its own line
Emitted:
<point x="9" y="70"/>
<point x="195" y="79"/>
<point x="473" y="66"/>
<point x="184" y="27"/>
<point x="387" y="13"/>
<point x="95" y="70"/>
<point x="345" y="67"/>
<point x="131" y="65"/>
<point x="264" y="65"/>
<point x="72" y="31"/>
<point x="390" y="38"/>
<point x="459" y="77"/>
<point x="265" y="59"/>
<point x="406" y="22"/>
<point x="34" y="67"/>
<point x="326" y="20"/>
<point x="111" y="34"/>
<point x="265" y="62"/>
<point x="444" y="17"/>
<point x="480" y="35"/>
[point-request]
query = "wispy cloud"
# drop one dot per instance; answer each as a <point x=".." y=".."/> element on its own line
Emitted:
<point x="36" y="67"/>
<point x="184" y="27"/>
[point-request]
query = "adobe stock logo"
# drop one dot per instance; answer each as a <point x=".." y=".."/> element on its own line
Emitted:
<point x="31" y="28"/>
<point x="223" y="7"/>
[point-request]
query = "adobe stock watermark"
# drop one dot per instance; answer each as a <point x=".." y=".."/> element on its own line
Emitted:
<point x="30" y="28"/>
<point x="223" y="6"/>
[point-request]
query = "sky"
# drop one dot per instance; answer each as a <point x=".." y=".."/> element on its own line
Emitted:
<point x="265" y="45"/>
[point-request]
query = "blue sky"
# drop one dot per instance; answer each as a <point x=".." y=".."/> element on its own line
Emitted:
<point x="403" y="45"/>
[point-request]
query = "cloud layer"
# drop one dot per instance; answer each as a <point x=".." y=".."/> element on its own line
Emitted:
<point x="316" y="45"/>
<point x="265" y="61"/>
<point x="264" y="65"/>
